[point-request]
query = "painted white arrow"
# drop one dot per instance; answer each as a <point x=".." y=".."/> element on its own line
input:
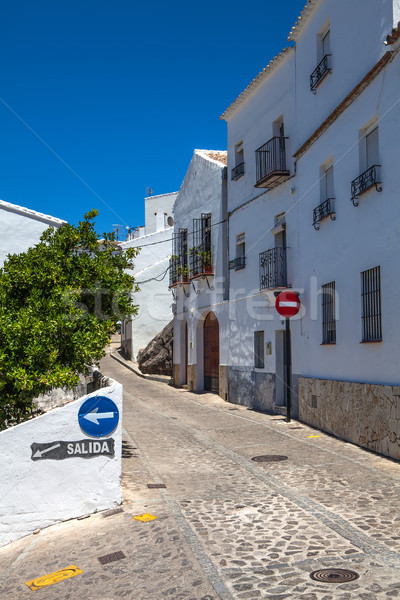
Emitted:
<point x="39" y="453"/>
<point x="94" y="416"/>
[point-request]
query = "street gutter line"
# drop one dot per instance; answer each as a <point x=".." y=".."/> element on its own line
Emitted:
<point x="190" y="536"/>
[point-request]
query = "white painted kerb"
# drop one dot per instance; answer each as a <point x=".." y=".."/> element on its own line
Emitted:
<point x="36" y="494"/>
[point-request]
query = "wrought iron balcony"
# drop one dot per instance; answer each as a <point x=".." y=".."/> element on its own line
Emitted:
<point x="273" y="272"/>
<point x="178" y="270"/>
<point x="271" y="162"/>
<point x="238" y="263"/>
<point x="319" y="73"/>
<point x="237" y="171"/>
<point x="326" y="209"/>
<point x="201" y="261"/>
<point x="371" y="177"/>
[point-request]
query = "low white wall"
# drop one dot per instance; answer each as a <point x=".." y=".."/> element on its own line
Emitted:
<point x="37" y="493"/>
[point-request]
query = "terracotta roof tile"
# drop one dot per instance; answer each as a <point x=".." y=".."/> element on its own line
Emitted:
<point x="218" y="155"/>
<point x="394" y="36"/>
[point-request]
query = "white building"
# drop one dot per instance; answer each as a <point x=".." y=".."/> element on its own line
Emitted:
<point x="198" y="276"/>
<point x="21" y="228"/>
<point x="151" y="273"/>
<point x="312" y="205"/>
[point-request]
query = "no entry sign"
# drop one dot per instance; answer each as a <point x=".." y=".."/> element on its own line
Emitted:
<point x="287" y="304"/>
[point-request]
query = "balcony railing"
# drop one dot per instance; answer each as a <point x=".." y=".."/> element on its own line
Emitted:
<point x="271" y="162"/>
<point x="178" y="270"/>
<point x="238" y="263"/>
<point x="273" y="269"/>
<point x="319" y="73"/>
<point x="201" y="261"/>
<point x="237" y="171"/>
<point x="326" y="209"/>
<point x="371" y="177"/>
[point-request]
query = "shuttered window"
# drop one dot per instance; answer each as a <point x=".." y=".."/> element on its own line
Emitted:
<point x="259" y="349"/>
<point x="372" y="148"/>
<point x="326" y="43"/>
<point x="329" y="183"/>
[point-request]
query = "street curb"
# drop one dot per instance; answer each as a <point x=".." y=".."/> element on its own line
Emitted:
<point x="136" y="371"/>
<point x="127" y="365"/>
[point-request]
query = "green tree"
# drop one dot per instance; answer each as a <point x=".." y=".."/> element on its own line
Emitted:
<point x="59" y="304"/>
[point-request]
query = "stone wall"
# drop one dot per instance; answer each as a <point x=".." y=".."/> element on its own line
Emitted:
<point x="192" y="377"/>
<point x="223" y="382"/>
<point x="363" y="413"/>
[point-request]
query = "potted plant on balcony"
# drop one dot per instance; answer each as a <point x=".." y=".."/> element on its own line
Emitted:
<point x="205" y="258"/>
<point x="183" y="272"/>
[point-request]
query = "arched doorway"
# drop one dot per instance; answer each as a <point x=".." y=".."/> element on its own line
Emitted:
<point x="211" y="353"/>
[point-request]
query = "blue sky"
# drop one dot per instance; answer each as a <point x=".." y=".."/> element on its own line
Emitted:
<point x="101" y="101"/>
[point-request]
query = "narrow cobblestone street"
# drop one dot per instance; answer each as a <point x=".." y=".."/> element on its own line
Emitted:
<point x="227" y="527"/>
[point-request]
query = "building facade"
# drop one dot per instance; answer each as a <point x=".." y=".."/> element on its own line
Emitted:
<point x="312" y="205"/>
<point x="198" y="275"/>
<point x="21" y="228"/>
<point x="151" y="273"/>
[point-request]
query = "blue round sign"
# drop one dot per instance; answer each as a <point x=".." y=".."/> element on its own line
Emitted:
<point x="98" y="416"/>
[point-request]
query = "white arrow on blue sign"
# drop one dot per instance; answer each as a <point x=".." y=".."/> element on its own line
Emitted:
<point x="98" y="416"/>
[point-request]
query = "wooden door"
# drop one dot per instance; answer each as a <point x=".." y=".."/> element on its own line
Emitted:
<point x="211" y="353"/>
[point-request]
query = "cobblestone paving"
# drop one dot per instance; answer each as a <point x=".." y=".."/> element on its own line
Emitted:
<point x="228" y="528"/>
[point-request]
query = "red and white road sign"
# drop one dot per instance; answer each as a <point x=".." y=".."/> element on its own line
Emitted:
<point x="287" y="304"/>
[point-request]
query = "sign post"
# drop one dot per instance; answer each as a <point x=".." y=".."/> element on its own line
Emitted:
<point x="288" y="305"/>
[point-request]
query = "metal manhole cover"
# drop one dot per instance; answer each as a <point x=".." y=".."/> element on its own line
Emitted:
<point x="114" y="511"/>
<point x="156" y="486"/>
<point x="269" y="458"/>
<point x="334" y="575"/>
<point x="107" y="558"/>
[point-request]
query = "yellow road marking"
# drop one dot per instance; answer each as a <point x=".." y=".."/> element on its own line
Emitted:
<point x="145" y="517"/>
<point x="309" y="436"/>
<point x="41" y="582"/>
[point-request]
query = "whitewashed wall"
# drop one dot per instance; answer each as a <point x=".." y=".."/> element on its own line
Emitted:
<point x="36" y="494"/>
<point x="361" y="238"/>
<point x="201" y="192"/>
<point x="154" y="204"/>
<point x="21" y="228"/>
<point x="154" y="299"/>
<point x="358" y="30"/>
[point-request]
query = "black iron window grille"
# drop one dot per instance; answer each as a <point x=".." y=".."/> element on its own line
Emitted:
<point x="329" y="313"/>
<point x="238" y="263"/>
<point x="271" y="161"/>
<point x="259" y="349"/>
<point x="273" y="269"/>
<point x="371" y="305"/>
<point x="319" y="73"/>
<point x="371" y="177"/>
<point x="179" y="268"/>
<point x="326" y="209"/>
<point x="201" y="256"/>
<point x="237" y="171"/>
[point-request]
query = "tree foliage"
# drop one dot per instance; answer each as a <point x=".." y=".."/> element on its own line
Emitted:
<point x="60" y="302"/>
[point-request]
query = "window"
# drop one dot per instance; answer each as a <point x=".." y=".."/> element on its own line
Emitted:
<point x="329" y="313"/>
<point x="324" y="56"/>
<point x="238" y="169"/>
<point x="372" y="148"/>
<point x="240" y="260"/>
<point x="201" y="252"/>
<point x="371" y="305"/>
<point x="259" y="349"/>
<point x="328" y="183"/>
<point x="326" y="43"/>
<point x="370" y="167"/>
